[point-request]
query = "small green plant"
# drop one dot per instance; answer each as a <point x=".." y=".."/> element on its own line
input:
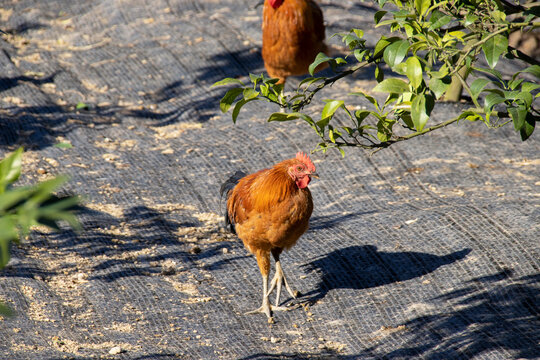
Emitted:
<point x="23" y="207"/>
<point x="432" y="55"/>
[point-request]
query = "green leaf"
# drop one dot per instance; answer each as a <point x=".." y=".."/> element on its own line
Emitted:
<point x="279" y="116"/>
<point x="422" y="6"/>
<point x="237" y="108"/>
<point x="378" y="15"/>
<point x="495" y="73"/>
<point x="526" y="97"/>
<point x="331" y="135"/>
<point x="395" y="52"/>
<point x="392" y="97"/>
<point x="419" y="112"/>
<point x="63" y="145"/>
<point x="255" y="79"/>
<point x="529" y="87"/>
<point x="392" y="85"/>
<point x="391" y="22"/>
<point x="518" y="115"/>
<point x="406" y="118"/>
<point x="379" y="74"/>
<point x="6" y="311"/>
<point x="227" y="81"/>
<point x="322" y="124"/>
<point x="534" y="69"/>
<point x="310" y="80"/>
<point x="498" y="16"/>
<point x="470" y="19"/>
<point x="319" y="59"/>
<point x="353" y="40"/>
<point x="82" y="106"/>
<point x="439" y="86"/>
<point x="331" y="107"/>
<point x="384" y="129"/>
<point x="470" y="115"/>
<point x="348" y="130"/>
<point x="361" y="115"/>
<point x="264" y="90"/>
<point x="491" y="100"/>
<point x="10" y="169"/>
<point x="443" y="71"/>
<point x="43" y="190"/>
<point x="369" y="98"/>
<point x="8" y="233"/>
<point x="382" y="44"/>
<point x="272" y="81"/>
<point x="414" y="71"/>
<point x="528" y="128"/>
<point x="358" y="32"/>
<point x="250" y="94"/>
<point x="360" y="54"/>
<point x="478" y="85"/>
<point x="438" y="19"/>
<point x="493" y="48"/>
<point x="229" y="97"/>
<point x="14" y="196"/>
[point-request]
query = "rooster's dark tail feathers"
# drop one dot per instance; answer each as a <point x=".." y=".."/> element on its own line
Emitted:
<point x="225" y="189"/>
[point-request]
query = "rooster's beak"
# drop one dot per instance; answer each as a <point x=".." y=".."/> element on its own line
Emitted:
<point x="315" y="175"/>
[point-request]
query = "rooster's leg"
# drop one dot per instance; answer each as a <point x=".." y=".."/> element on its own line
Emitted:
<point x="263" y="260"/>
<point x="279" y="278"/>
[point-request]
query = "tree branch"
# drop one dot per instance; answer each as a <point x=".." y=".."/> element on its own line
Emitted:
<point x="522" y="56"/>
<point x="379" y="146"/>
<point x="329" y="81"/>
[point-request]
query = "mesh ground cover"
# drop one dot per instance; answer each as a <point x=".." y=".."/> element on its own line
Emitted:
<point x="428" y="249"/>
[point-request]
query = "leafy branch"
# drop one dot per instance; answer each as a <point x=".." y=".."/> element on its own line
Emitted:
<point x="22" y="208"/>
<point x="436" y="46"/>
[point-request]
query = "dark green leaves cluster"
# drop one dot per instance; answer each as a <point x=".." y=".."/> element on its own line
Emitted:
<point x="433" y="54"/>
<point x="21" y="208"/>
<point x="261" y="88"/>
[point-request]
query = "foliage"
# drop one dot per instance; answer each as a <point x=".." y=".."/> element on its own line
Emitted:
<point x="433" y="44"/>
<point x="23" y="207"/>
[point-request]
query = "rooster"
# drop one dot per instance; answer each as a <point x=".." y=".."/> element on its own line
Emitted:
<point x="269" y="210"/>
<point x="293" y="35"/>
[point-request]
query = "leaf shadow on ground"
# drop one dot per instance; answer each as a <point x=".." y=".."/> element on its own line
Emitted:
<point x="363" y="267"/>
<point x="327" y="355"/>
<point x="134" y="243"/>
<point x="38" y="126"/>
<point x="485" y="315"/>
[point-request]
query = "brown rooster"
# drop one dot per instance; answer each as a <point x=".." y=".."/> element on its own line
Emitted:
<point x="269" y="210"/>
<point x="293" y="35"/>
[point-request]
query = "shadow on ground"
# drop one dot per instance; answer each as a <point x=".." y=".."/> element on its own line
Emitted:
<point x="481" y="317"/>
<point x="362" y="267"/>
<point x="136" y="243"/>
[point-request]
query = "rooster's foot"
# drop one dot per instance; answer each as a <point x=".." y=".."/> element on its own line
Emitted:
<point x="278" y="280"/>
<point x="267" y="309"/>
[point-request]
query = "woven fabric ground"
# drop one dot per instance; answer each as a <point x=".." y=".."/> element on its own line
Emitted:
<point x="428" y="249"/>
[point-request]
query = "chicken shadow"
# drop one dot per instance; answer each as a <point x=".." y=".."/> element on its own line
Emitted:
<point x="487" y="315"/>
<point x="363" y="267"/>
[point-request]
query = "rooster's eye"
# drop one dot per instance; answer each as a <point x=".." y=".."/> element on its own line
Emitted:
<point x="298" y="168"/>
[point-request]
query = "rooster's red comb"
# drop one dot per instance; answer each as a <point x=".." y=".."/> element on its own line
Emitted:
<point x="304" y="158"/>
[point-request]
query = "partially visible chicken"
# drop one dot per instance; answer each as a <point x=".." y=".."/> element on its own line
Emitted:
<point x="293" y="35"/>
<point x="269" y="210"/>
